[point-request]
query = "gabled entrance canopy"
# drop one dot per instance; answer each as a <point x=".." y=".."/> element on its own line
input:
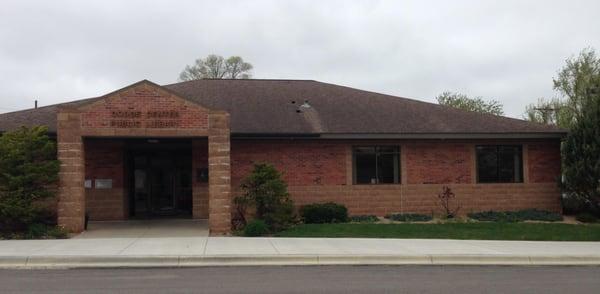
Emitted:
<point x="141" y="110"/>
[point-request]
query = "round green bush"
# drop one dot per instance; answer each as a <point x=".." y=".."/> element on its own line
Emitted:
<point x="36" y="231"/>
<point x="256" y="228"/>
<point x="43" y="231"/>
<point x="321" y="213"/>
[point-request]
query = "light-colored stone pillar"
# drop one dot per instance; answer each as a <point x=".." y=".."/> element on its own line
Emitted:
<point x="71" y="191"/>
<point x="199" y="189"/>
<point x="219" y="174"/>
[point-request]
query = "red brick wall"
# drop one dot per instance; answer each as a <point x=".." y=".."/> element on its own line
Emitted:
<point x="320" y="171"/>
<point x="544" y="162"/>
<point x="144" y="99"/>
<point x="482" y="197"/>
<point x="417" y="198"/>
<point x="435" y="163"/>
<point x="426" y="167"/>
<point x="301" y="162"/>
<point x="104" y="159"/>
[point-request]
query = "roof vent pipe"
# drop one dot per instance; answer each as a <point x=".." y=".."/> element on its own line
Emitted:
<point x="302" y="107"/>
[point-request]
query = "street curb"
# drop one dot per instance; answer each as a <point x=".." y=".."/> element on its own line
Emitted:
<point x="116" y="261"/>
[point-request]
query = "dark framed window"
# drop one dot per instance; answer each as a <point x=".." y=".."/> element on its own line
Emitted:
<point x="376" y="164"/>
<point x="499" y="164"/>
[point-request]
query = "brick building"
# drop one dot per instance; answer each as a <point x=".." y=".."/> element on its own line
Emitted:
<point x="182" y="149"/>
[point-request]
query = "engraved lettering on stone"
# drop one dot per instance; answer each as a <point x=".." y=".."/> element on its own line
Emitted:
<point x="135" y="119"/>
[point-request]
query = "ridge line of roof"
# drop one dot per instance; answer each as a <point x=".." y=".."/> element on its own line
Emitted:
<point x="249" y="80"/>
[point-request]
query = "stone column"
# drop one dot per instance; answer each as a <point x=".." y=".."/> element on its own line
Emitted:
<point x="71" y="191"/>
<point x="219" y="174"/>
<point x="199" y="189"/>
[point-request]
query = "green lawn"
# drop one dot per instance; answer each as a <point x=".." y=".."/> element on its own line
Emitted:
<point x="476" y="231"/>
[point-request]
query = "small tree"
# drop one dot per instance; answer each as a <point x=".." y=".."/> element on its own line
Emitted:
<point x="28" y="167"/>
<point x="549" y="112"/>
<point x="575" y="78"/>
<point x="265" y="188"/>
<point x="445" y="198"/>
<point x="579" y="74"/>
<point x="581" y="153"/>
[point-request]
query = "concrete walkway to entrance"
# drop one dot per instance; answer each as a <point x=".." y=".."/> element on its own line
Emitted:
<point x="175" y="243"/>
<point x="155" y="228"/>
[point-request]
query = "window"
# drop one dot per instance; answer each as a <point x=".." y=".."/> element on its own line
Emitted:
<point x="376" y="165"/>
<point x="499" y="164"/>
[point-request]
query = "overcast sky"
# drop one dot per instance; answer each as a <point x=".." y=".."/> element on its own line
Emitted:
<point x="56" y="51"/>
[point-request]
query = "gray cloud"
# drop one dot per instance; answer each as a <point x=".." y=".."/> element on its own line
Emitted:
<point x="57" y="51"/>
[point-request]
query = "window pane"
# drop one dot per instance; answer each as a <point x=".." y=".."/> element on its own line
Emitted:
<point x="376" y="164"/>
<point x="387" y="165"/>
<point x="365" y="165"/>
<point x="487" y="164"/>
<point x="509" y="164"/>
<point x="499" y="164"/>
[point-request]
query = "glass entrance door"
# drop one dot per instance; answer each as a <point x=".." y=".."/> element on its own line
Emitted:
<point x="161" y="183"/>
<point x="162" y="186"/>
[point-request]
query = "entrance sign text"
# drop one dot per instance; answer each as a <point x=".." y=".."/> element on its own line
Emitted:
<point x="149" y="119"/>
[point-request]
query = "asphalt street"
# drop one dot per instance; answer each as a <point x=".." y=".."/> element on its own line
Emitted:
<point x="308" y="279"/>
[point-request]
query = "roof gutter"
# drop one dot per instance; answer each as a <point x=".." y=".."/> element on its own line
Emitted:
<point x="439" y="136"/>
<point x="557" y="135"/>
<point x="274" y="136"/>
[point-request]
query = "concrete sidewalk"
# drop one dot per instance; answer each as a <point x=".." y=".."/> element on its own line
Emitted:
<point x="203" y="251"/>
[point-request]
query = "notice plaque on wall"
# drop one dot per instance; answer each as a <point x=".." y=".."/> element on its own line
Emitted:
<point x="103" y="183"/>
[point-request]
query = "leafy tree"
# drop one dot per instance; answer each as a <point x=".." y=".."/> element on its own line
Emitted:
<point x="550" y="112"/>
<point x="28" y="167"/>
<point x="581" y="152"/>
<point x="216" y="67"/>
<point x="265" y="188"/>
<point x="237" y="68"/>
<point x="574" y="79"/>
<point x="476" y="104"/>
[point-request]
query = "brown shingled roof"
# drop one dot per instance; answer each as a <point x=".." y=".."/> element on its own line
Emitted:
<point x="270" y="107"/>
